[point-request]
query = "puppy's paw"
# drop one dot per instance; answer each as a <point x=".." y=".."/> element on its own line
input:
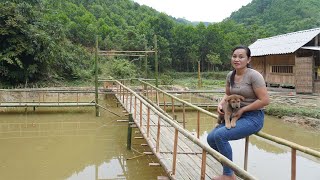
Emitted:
<point x="228" y="126"/>
<point x="233" y="124"/>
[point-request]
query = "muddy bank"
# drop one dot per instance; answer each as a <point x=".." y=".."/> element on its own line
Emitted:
<point x="303" y="121"/>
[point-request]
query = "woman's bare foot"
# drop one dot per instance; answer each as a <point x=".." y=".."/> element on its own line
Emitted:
<point x="225" y="177"/>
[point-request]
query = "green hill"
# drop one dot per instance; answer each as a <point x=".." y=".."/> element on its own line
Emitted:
<point x="53" y="40"/>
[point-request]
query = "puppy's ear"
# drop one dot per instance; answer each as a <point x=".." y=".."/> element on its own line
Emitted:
<point x="227" y="99"/>
<point x="241" y="97"/>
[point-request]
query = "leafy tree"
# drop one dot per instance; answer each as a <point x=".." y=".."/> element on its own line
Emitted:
<point x="213" y="59"/>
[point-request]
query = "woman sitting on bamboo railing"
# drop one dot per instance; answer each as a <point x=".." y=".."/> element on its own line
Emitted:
<point x="250" y="84"/>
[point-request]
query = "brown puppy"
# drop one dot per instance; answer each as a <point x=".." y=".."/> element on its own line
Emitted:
<point x="230" y="107"/>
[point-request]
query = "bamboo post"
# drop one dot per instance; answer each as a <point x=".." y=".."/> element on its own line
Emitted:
<point x="148" y="122"/>
<point x="156" y="65"/>
<point x="293" y="163"/>
<point x="123" y="95"/>
<point x="135" y="107"/>
<point x="20" y="100"/>
<point x="151" y="94"/>
<point x="172" y="107"/>
<point x="198" y="125"/>
<point x="140" y="114"/>
<point x="158" y="136"/>
<point x="184" y="115"/>
<point x="147" y="92"/>
<point x="246" y="148"/>
<point x="96" y="78"/>
<point x="199" y="76"/>
<point x="175" y="145"/>
<point x="145" y="60"/>
<point x="157" y="98"/>
<point x="203" y="164"/>
<point x="127" y="98"/>
<point x="58" y="98"/>
<point x="77" y="98"/>
<point x="130" y="102"/>
<point x="129" y="132"/>
<point x="164" y="102"/>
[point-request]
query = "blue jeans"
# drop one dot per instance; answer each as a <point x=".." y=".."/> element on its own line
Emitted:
<point x="250" y="122"/>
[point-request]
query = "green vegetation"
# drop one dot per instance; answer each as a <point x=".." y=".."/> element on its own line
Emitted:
<point x="279" y="111"/>
<point x="51" y="42"/>
<point x="273" y="17"/>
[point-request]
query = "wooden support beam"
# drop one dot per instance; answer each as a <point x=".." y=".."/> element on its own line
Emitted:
<point x="122" y="120"/>
<point x="154" y="164"/>
<point x="138" y="137"/>
<point x="148" y="153"/>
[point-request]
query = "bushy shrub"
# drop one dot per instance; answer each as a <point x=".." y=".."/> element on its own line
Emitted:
<point x="121" y="68"/>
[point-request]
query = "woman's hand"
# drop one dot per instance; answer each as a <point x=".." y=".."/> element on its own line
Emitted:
<point x="239" y="113"/>
<point x="219" y="109"/>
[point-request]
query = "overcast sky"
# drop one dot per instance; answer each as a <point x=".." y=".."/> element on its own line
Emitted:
<point x="196" y="10"/>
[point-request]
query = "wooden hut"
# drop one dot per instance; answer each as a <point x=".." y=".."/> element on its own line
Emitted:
<point x="289" y="60"/>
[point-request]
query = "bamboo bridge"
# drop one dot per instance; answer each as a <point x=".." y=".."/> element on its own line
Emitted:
<point x="153" y="111"/>
<point x="180" y="152"/>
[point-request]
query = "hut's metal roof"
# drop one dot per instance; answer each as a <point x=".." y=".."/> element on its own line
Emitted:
<point x="283" y="44"/>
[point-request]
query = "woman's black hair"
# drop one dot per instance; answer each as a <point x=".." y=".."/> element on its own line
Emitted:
<point x="248" y="52"/>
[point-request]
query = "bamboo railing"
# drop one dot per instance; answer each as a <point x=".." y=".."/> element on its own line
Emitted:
<point x="294" y="147"/>
<point x="124" y="93"/>
<point x="39" y="96"/>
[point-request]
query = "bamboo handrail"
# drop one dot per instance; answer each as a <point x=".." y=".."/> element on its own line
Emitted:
<point x="289" y="144"/>
<point x="240" y="172"/>
<point x="182" y="101"/>
<point x="260" y="133"/>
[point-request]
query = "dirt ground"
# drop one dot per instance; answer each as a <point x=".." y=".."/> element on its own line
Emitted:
<point x="287" y="97"/>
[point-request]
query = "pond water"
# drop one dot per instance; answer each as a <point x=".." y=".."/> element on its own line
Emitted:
<point x="268" y="160"/>
<point x="73" y="144"/>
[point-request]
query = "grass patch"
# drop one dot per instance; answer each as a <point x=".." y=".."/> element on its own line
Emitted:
<point x="283" y="110"/>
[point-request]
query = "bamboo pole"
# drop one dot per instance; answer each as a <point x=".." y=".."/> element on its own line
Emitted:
<point x="145" y="60"/>
<point x="140" y="113"/>
<point x="198" y="125"/>
<point x="293" y="163"/>
<point x="184" y="115"/>
<point x="135" y="107"/>
<point x="172" y="107"/>
<point x="129" y="135"/>
<point x="156" y="59"/>
<point x="199" y="76"/>
<point x="96" y="77"/>
<point x="203" y="165"/>
<point x="157" y="97"/>
<point x="164" y="101"/>
<point x="289" y="144"/>
<point x="148" y="122"/>
<point x="130" y="103"/>
<point x="158" y="136"/>
<point x="246" y="149"/>
<point x="175" y="145"/>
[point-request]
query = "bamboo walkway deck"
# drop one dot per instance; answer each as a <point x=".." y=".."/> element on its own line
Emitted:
<point x="189" y="155"/>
